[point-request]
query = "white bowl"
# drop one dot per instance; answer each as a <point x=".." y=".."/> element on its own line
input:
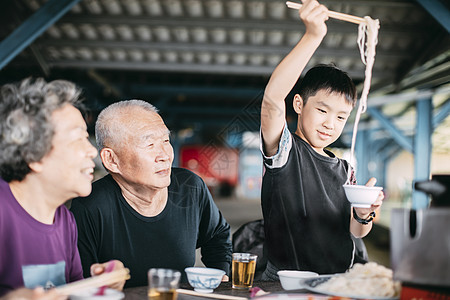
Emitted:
<point x="361" y="195"/>
<point x="89" y="294"/>
<point x="293" y="280"/>
<point x="204" y="280"/>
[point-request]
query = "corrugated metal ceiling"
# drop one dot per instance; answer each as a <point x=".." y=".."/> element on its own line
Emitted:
<point x="207" y="61"/>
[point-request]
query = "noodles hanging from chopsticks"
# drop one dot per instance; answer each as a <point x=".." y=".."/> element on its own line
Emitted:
<point x="368" y="37"/>
<point x="367" y="41"/>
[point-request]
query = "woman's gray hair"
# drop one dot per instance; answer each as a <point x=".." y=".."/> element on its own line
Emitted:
<point x="105" y="131"/>
<point x="26" y="127"/>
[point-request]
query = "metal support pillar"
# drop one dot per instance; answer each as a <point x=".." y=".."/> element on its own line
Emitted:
<point x="376" y="166"/>
<point x="32" y="28"/>
<point x="362" y="157"/>
<point x="382" y="171"/>
<point x="422" y="150"/>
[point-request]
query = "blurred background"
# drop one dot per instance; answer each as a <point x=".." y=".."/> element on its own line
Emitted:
<point x="205" y="63"/>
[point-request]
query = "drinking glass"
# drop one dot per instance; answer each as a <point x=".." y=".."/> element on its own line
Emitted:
<point x="163" y="284"/>
<point x="243" y="270"/>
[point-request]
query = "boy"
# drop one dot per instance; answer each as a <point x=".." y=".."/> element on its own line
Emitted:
<point x="308" y="220"/>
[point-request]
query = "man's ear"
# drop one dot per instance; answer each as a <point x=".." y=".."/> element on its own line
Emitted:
<point x="109" y="159"/>
<point x="297" y="104"/>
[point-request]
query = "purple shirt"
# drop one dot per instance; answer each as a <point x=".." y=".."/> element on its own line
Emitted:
<point x="32" y="253"/>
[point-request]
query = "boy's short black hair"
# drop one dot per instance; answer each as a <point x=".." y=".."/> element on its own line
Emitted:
<point x="329" y="78"/>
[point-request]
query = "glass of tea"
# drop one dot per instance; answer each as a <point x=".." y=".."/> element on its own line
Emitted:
<point x="243" y="270"/>
<point x="163" y="284"/>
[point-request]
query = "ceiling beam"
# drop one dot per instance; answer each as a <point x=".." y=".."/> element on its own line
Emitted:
<point x="417" y="95"/>
<point x="436" y="69"/>
<point x="388" y="3"/>
<point x="226" y="69"/>
<point x="33" y="27"/>
<point x="211" y="47"/>
<point x="196" y="91"/>
<point x="438" y="10"/>
<point x="168" y="67"/>
<point x="231" y="23"/>
<point x="210" y="124"/>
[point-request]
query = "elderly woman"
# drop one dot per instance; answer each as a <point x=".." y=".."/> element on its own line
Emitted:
<point x="45" y="160"/>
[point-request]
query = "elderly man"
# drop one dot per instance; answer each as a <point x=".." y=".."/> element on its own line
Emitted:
<point x="45" y="160"/>
<point x="145" y="212"/>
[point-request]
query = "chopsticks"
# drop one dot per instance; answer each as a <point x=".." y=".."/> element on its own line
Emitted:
<point x="331" y="14"/>
<point x="94" y="282"/>
<point x="216" y="296"/>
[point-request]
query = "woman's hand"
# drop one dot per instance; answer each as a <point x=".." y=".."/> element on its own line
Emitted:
<point x="33" y="294"/>
<point x="97" y="269"/>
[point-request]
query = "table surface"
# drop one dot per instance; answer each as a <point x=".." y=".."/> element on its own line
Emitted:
<point x="140" y="293"/>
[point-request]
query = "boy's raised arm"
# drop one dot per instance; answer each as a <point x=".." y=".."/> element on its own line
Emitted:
<point x="286" y="74"/>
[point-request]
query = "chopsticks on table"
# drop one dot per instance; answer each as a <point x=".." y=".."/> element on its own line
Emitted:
<point x="94" y="282"/>
<point x="216" y="296"/>
<point x="331" y="14"/>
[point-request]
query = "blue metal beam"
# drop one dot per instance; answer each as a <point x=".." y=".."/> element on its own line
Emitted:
<point x="398" y="136"/>
<point x="375" y="165"/>
<point x="438" y="10"/>
<point x="422" y="150"/>
<point x="32" y="28"/>
<point x="442" y="114"/>
<point x="379" y="172"/>
<point x="362" y="158"/>
<point x="390" y="152"/>
<point x="381" y="145"/>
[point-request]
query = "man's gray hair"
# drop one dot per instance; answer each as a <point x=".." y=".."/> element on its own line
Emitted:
<point x="26" y="127"/>
<point x="104" y="130"/>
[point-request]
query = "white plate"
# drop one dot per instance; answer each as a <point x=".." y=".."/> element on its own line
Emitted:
<point x="313" y="285"/>
<point x="89" y="294"/>
<point x="291" y="296"/>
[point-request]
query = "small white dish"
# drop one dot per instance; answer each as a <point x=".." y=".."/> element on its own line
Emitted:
<point x="361" y="195"/>
<point x="90" y="294"/>
<point x="204" y="280"/>
<point x="294" y="280"/>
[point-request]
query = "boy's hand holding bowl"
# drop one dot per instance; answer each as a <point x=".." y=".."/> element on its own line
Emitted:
<point x="364" y="199"/>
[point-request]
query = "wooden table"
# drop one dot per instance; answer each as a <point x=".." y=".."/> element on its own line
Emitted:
<point x="140" y="293"/>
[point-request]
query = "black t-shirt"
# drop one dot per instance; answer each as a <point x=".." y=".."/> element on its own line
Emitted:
<point x="109" y="228"/>
<point x="306" y="213"/>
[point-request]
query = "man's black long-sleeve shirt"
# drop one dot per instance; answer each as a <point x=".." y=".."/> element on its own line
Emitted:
<point x="109" y="228"/>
